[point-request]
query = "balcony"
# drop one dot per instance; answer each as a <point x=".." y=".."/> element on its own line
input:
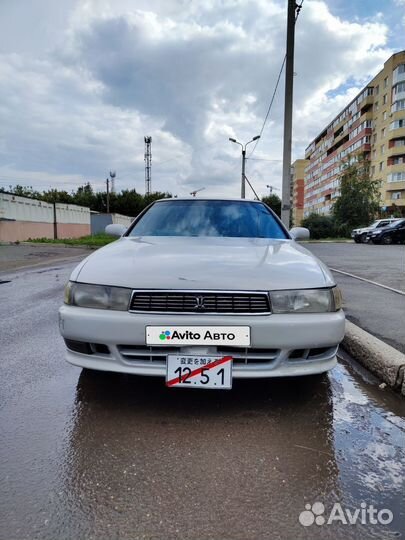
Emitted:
<point x="398" y="95"/>
<point x="394" y="186"/>
<point x="396" y="133"/>
<point x="397" y="77"/>
<point x="393" y="168"/>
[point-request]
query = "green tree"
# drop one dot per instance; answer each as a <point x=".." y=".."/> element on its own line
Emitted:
<point x="24" y="191"/>
<point x="84" y="196"/>
<point x="56" y="196"/>
<point x="359" y="200"/>
<point x="274" y="202"/>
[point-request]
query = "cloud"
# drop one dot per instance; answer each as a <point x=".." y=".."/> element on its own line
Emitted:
<point x="191" y="74"/>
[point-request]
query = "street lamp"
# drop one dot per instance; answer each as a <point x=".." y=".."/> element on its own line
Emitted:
<point x="242" y="189"/>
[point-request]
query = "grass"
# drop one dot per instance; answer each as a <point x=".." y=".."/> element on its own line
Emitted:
<point x="96" y="241"/>
<point x="342" y="239"/>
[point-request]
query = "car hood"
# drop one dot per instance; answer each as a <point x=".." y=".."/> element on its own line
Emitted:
<point x="204" y="263"/>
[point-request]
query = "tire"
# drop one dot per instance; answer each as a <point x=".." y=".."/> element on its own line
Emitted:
<point x="386" y="240"/>
<point x="363" y="238"/>
<point x="357" y="239"/>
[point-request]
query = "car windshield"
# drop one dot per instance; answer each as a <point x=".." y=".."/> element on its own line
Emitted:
<point x="396" y="224"/>
<point x="208" y="218"/>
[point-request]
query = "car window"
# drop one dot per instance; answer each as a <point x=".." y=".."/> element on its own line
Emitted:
<point x="208" y="218"/>
<point x="382" y="224"/>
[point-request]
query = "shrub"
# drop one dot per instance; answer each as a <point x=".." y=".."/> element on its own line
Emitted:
<point x="320" y="226"/>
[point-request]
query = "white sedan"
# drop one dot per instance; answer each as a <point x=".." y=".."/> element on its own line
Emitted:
<point x="201" y="291"/>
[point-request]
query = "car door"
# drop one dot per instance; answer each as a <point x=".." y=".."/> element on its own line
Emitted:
<point x="401" y="233"/>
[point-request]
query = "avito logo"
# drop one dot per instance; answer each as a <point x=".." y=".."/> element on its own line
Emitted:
<point x="165" y="334"/>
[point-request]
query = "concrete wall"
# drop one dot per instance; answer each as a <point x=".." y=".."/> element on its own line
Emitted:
<point x="22" y="218"/>
<point x="100" y="221"/>
<point x="122" y="220"/>
<point x="72" y="221"/>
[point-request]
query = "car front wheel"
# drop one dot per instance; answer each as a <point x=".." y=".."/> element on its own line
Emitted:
<point x="363" y="238"/>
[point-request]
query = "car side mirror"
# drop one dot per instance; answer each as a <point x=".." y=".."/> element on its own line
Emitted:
<point x="115" y="229"/>
<point x="299" y="233"/>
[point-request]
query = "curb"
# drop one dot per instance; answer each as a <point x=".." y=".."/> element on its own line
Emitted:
<point x="381" y="359"/>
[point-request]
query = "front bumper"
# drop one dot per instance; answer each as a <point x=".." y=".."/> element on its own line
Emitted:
<point x="281" y="345"/>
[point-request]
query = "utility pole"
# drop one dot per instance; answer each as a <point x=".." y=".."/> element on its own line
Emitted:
<point x="148" y="165"/>
<point x="108" y="195"/>
<point x="243" y="182"/>
<point x="288" y="109"/>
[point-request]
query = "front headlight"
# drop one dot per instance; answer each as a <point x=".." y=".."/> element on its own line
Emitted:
<point x="306" y="301"/>
<point x="97" y="296"/>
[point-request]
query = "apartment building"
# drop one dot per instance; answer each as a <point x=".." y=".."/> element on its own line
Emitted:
<point x="297" y="185"/>
<point x="373" y="124"/>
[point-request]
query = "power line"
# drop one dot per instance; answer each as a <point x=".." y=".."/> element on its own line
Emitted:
<point x="265" y="159"/>
<point x="270" y="105"/>
<point x="298" y="8"/>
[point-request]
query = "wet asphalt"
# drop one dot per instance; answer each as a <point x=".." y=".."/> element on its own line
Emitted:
<point x="90" y="455"/>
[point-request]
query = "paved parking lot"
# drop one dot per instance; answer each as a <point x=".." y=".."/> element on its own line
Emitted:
<point x="93" y="455"/>
<point x="373" y="308"/>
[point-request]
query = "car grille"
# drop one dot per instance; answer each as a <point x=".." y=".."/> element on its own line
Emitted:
<point x="200" y="302"/>
<point x="138" y="354"/>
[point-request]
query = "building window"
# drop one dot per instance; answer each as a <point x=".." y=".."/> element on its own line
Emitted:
<point x="396" y="177"/>
<point x="375" y="138"/>
<point x="396" y="195"/>
<point x="384" y="99"/>
<point x="376" y="106"/>
<point x="385" y="115"/>
<point x="383" y="133"/>
<point x="377" y="89"/>
<point x="400" y="87"/>
<point x="372" y="170"/>
<point x="398" y="105"/>
<point x="381" y="166"/>
<point x="382" y="149"/>
<point x="385" y="82"/>
<point x="374" y="154"/>
<point x="397" y="124"/>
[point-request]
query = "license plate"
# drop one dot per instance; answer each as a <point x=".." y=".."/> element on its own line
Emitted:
<point x="238" y="336"/>
<point x="199" y="371"/>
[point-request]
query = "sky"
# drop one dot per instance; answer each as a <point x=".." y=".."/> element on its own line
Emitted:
<point x="83" y="81"/>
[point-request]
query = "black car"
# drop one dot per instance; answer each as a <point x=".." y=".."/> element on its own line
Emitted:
<point x="393" y="234"/>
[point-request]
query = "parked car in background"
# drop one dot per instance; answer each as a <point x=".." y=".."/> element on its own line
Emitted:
<point x="202" y="291"/>
<point x="392" y="234"/>
<point x="360" y="235"/>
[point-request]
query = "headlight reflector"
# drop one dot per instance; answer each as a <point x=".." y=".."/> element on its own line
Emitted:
<point x="97" y="296"/>
<point x="306" y="301"/>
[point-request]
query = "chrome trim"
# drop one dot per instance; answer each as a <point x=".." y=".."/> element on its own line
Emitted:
<point x="199" y="291"/>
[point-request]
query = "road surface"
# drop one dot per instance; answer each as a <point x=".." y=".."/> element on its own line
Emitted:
<point x="99" y="456"/>
<point x="375" y="309"/>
